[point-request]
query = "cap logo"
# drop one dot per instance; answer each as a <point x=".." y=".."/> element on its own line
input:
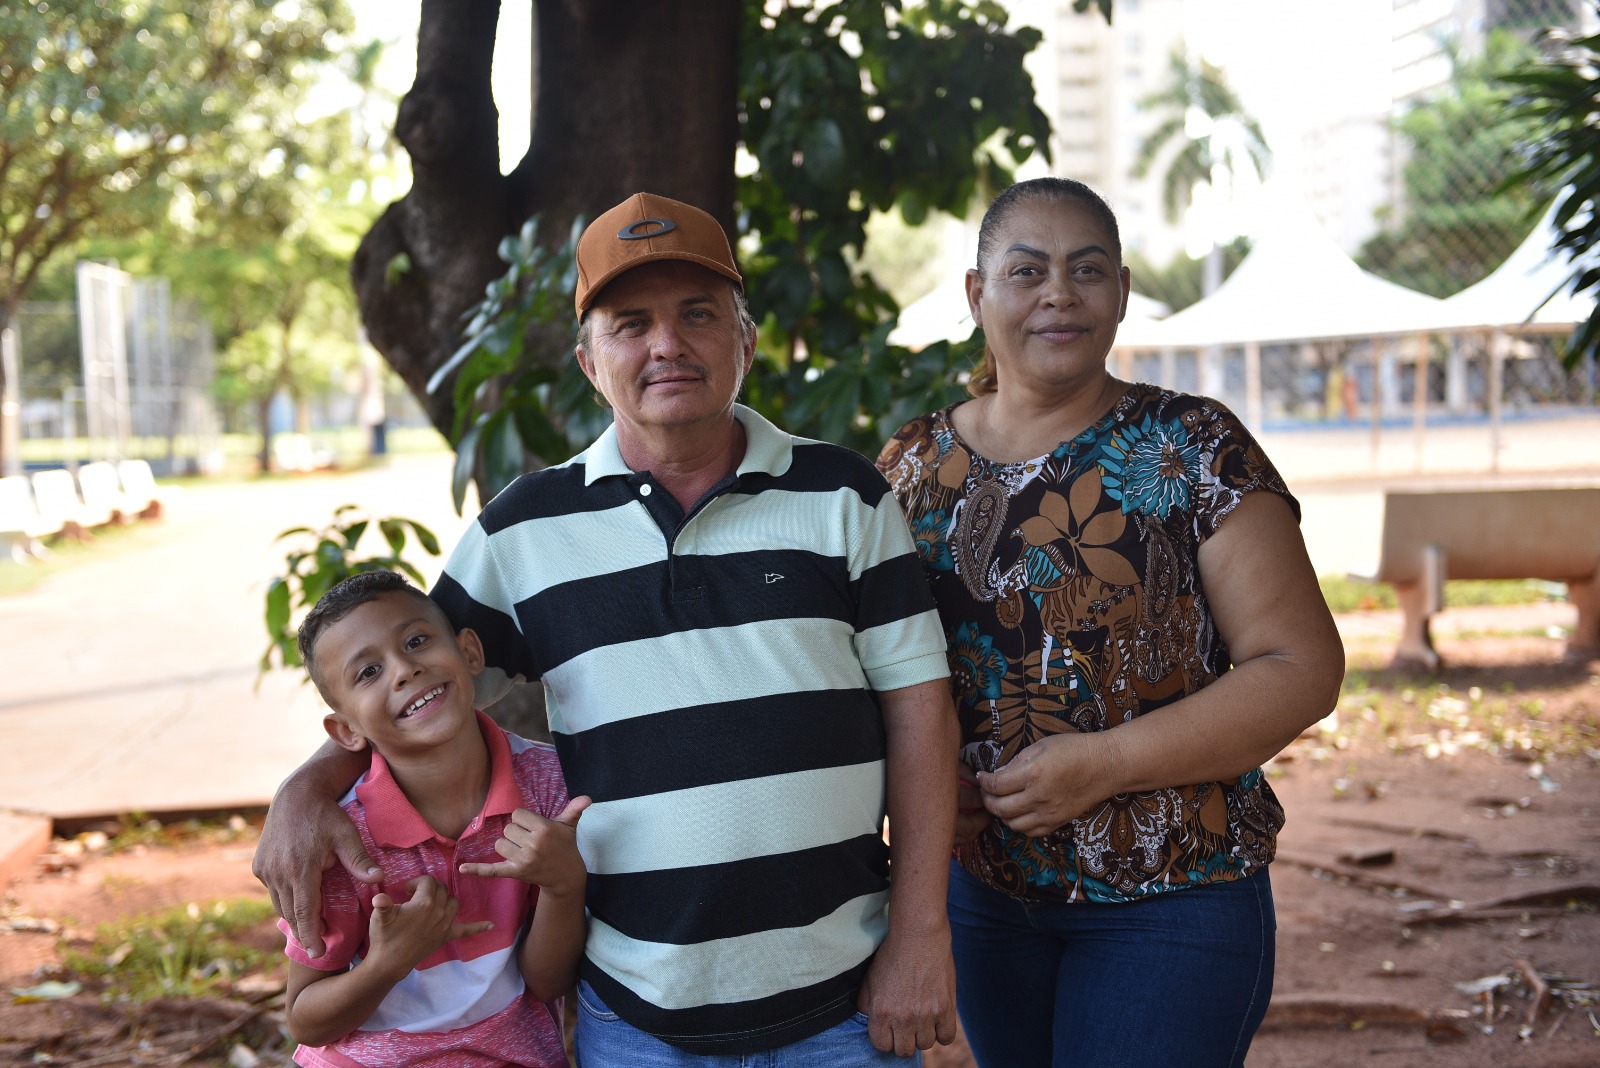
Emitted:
<point x="646" y="228"/>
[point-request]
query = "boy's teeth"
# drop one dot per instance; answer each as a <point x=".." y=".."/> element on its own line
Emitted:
<point x="424" y="699"/>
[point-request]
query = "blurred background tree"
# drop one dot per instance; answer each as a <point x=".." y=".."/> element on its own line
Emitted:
<point x="109" y="107"/>
<point x="1205" y="141"/>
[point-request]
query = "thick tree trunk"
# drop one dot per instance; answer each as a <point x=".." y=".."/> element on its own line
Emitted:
<point x="630" y="95"/>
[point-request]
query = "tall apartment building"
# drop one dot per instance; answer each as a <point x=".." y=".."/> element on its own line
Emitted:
<point x="1424" y="30"/>
<point x="1090" y="80"/>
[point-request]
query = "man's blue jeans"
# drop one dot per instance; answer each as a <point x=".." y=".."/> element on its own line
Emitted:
<point x="603" y="1040"/>
<point x="1181" y="978"/>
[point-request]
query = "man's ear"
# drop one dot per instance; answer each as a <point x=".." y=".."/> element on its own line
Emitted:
<point x="343" y="735"/>
<point x="585" y="365"/>
<point x="471" y="649"/>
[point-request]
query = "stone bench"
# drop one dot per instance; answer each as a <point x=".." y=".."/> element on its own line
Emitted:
<point x="1430" y="536"/>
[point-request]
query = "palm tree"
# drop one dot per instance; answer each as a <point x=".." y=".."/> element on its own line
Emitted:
<point x="1205" y="138"/>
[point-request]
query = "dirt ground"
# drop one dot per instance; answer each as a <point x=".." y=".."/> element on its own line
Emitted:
<point x="1438" y="890"/>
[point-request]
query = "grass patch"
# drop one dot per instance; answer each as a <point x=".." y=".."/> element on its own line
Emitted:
<point x="1345" y="594"/>
<point x="193" y="951"/>
<point x="239" y="450"/>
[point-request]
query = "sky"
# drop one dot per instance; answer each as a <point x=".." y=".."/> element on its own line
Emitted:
<point x="396" y="21"/>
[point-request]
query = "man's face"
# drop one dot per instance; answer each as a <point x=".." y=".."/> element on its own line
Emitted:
<point x="666" y="349"/>
<point x="396" y="676"/>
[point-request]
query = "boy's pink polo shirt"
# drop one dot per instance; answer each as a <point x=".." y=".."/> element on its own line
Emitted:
<point x="465" y="1004"/>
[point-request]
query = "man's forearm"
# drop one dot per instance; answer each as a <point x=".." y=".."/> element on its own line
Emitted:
<point x="920" y="726"/>
<point x="327" y="773"/>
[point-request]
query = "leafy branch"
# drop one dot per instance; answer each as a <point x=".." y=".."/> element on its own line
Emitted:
<point x="1560" y="98"/>
<point x="515" y="390"/>
<point x="320" y="560"/>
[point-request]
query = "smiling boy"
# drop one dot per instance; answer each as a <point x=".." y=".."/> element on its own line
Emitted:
<point x="474" y="834"/>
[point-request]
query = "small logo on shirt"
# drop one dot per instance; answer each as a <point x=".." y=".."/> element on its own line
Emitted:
<point x="773" y="576"/>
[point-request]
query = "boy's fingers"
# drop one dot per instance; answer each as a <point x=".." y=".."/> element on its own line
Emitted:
<point x="488" y="871"/>
<point x="422" y="886"/>
<point x="574" y="809"/>
<point x="467" y="930"/>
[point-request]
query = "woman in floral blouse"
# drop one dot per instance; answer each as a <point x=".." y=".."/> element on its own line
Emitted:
<point x="1134" y="629"/>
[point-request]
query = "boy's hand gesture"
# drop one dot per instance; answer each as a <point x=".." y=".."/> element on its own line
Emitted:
<point x="400" y="937"/>
<point x="540" y="851"/>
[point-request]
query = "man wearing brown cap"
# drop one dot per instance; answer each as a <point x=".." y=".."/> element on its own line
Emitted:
<point x="743" y="669"/>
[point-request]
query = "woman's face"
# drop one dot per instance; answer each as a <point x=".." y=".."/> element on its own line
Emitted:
<point x="1051" y="296"/>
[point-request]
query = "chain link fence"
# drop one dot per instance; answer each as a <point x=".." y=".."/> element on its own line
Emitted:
<point x="122" y="372"/>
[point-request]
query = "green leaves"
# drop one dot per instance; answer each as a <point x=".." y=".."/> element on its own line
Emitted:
<point x="517" y="393"/>
<point x="319" y="560"/>
<point x="850" y="108"/>
<point x="847" y="108"/>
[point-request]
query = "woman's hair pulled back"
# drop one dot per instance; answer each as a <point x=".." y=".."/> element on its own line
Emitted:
<point x="984" y="378"/>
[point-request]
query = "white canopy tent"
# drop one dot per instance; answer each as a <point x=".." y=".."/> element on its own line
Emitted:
<point x="1296" y="284"/>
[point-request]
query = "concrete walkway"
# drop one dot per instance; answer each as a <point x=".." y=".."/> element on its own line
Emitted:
<point x="131" y="675"/>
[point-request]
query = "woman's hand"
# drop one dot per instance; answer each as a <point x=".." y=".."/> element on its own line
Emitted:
<point x="1052" y="781"/>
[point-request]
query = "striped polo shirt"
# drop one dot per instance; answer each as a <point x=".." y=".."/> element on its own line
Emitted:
<point x="709" y="680"/>
<point x="465" y="1004"/>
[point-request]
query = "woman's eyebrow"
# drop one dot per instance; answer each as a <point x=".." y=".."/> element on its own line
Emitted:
<point x="1029" y="250"/>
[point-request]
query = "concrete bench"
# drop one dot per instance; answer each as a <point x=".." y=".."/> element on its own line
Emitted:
<point x="1434" y="535"/>
<point x="21" y="523"/>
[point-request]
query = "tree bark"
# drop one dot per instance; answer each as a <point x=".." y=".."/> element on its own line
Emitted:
<point x="630" y="95"/>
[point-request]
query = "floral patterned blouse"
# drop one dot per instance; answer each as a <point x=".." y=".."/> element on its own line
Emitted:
<point x="1069" y="589"/>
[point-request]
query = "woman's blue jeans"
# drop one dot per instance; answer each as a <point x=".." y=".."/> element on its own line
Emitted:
<point x="1179" y="978"/>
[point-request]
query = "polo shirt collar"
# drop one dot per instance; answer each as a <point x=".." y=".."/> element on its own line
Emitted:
<point x="767" y="449"/>
<point x="395" y="822"/>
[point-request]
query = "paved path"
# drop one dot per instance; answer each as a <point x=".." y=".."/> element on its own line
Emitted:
<point x="131" y="677"/>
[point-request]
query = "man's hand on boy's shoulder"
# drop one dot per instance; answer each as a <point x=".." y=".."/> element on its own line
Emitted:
<point x="306" y="832"/>
<point x="540" y="851"/>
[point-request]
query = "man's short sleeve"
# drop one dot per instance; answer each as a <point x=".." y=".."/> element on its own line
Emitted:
<point x="898" y="637"/>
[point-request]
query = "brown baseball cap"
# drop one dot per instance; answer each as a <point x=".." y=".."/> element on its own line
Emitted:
<point x="643" y="229"/>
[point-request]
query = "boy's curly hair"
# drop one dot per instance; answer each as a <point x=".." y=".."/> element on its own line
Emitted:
<point x="346" y="596"/>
